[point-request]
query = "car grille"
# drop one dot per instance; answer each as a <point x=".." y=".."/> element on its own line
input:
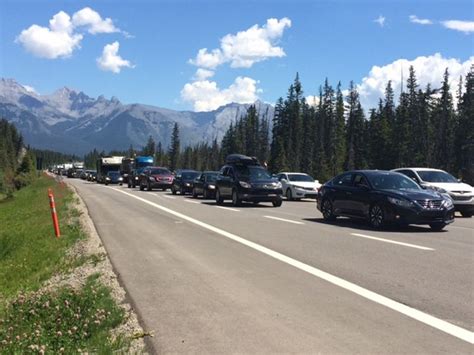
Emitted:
<point x="308" y="188"/>
<point x="461" y="198"/>
<point x="431" y="204"/>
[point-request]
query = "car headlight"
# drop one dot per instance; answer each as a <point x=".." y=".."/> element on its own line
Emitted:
<point x="187" y="184"/>
<point x="136" y="177"/>
<point x="245" y="185"/>
<point x="107" y="178"/>
<point x="151" y="178"/>
<point x="211" y="187"/>
<point x="298" y="187"/>
<point x="120" y="178"/>
<point x="439" y="189"/>
<point x="278" y="185"/>
<point x="448" y="202"/>
<point x="400" y="202"/>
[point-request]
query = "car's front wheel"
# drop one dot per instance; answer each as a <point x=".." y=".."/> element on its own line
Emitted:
<point x="327" y="210"/>
<point x="277" y="203"/>
<point x="376" y="216"/>
<point x="235" y="199"/>
<point x="289" y="195"/>
<point x="148" y="186"/>
<point x="173" y="190"/>
<point x="142" y="187"/>
<point x="437" y="226"/>
<point x="195" y="195"/>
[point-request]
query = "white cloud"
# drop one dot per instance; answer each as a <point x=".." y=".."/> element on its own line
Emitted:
<point x="111" y="61"/>
<point x="380" y="20"/>
<point x="61" y="38"/>
<point x="93" y="21"/>
<point x="457" y="25"/>
<point x="203" y="74"/>
<point x="420" y="21"/>
<point x="428" y="70"/>
<point x="245" y="48"/>
<point x="312" y="100"/>
<point x="57" y="41"/>
<point x="206" y="96"/>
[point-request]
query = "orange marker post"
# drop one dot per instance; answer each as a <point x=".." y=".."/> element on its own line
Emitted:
<point x="54" y="215"/>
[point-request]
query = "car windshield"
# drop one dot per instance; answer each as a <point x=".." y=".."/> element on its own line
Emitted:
<point x="189" y="175"/>
<point x="160" y="172"/>
<point x="392" y="182"/>
<point x="436" y="176"/>
<point x="252" y="173"/>
<point x="211" y="177"/>
<point x="113" y="173"/>
<point x="300" y="177"/>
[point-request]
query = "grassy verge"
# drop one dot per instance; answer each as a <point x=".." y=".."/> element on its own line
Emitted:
<point x="60" y="319"/>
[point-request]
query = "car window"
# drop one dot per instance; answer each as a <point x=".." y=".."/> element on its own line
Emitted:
<point x="211" y="177"/>
<point x="360" y="180"/>
<point x="300" y="177"/>
<point x="252" y="172"/>
<point x="393" y="181"/>
<point x="343" y="180"/>
<point x="436" y="176"/>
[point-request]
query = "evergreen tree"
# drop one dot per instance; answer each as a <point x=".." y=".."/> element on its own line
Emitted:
<point x="174" y="150"/>
<point x="149" y="149"/>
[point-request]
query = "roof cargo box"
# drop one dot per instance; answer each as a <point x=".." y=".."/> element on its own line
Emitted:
<point x="241" y="159"/>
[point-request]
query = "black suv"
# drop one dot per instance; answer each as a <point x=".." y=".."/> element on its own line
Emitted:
<point x="183" y="181"/>
<point x="244" y="179"/>
<point x="383" y="197"/>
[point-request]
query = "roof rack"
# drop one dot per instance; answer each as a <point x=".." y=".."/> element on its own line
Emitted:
<point x="241" y="159"/>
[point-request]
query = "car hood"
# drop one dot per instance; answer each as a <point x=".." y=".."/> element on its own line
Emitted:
<point x="415" y="194"/>
<point x="452" y="186"/>
<point x="312" y="184"/>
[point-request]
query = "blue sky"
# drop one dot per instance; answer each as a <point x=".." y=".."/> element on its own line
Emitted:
<point x="341" y="40"/>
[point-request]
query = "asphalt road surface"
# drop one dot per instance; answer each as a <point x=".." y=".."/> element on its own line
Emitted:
<point x="258" y="279"/>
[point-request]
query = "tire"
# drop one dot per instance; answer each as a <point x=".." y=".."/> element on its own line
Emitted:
<point x="327" y="210"/>
<point x="236" y="202"/>
<point x="173" y="190"/>
<point x="148" y="186"/>
<point x="289" y="195"/>
<point x="219" y="199"/>
<point x="195" y="195"/>
<point x="142" y="187"/>
<point x="376" y="216"/>
<point x="182" y="191"/>
<point x="438" y="227"/>
<point x="164" y="189"/>
<point x="466" y="214"/>
<point x="106" y="184"/>
<point x="277" y="203"/>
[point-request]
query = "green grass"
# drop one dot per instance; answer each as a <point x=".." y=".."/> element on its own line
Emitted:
<point x="67" y="321"/>
<point x="29" y="251"/>
<point x="64" y="320"/>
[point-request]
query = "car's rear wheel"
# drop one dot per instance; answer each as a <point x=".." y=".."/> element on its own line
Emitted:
<point x="219" y="199"/>
<point x="327" y="210"/>
<point x="437" y="226"/>
<point x="376" y="216"/>
<point x="289" y="195"/>
<point x="466" y="214"/>
<point x="235" y="199"/>
<point x="277" y="203"/>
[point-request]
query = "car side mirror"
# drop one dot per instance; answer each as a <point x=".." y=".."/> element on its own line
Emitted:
<point x="316" y="181"/>
<point x="284" y="180"/>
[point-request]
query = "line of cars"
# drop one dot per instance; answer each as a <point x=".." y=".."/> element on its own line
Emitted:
<point x="402" y="196"/>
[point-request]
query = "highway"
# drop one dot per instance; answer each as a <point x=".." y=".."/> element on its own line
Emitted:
<point x="259" y="279"/>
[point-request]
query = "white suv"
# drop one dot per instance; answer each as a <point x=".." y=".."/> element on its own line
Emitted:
<point x="298" y="185"/>
<point x="439" y="180"/>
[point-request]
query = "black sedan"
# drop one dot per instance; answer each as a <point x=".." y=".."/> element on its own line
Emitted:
<point x="205" y="185"/>
<point x="183" y="181"/>
<point x="113" y="177"/>
<point x="383" y="197"/>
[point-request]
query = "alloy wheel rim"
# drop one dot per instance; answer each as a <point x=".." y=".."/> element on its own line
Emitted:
<point x="327" y="209"/>
<point x="376" y="216"/>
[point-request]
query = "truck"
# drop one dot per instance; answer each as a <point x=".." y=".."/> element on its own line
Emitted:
<point x="139" y="163"/>
<point x="75" y="170"/>
<point x="106" y="164"/>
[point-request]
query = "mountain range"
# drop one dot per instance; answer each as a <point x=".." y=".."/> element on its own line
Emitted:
<point x="70" y="121"/>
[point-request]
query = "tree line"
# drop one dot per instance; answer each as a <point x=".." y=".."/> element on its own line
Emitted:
<point x="425" y="128"/>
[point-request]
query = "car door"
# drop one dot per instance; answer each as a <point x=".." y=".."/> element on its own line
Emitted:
<point x="342" y="191"/>
<point x="359" y="200"/>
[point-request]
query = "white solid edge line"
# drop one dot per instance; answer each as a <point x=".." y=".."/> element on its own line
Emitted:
<point x="413" y="313"/>
<point x="171" y="197"/>
<point x="283" y="220"/>
<point x="191" y="201"/>
<point x="392" y="241"/>
<point x="228" y="208"/>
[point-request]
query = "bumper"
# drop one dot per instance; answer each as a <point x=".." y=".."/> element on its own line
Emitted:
<point x="408" y="216"/>
<point x="464" y="207"/>
<point x="261" y="196"/>
<point x="161" y="184"/>
<point x="300" y="193"/>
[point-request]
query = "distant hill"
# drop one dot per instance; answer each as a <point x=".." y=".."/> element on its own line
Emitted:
<point x="72" y="122"/>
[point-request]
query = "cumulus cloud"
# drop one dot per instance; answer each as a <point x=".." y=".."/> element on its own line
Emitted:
<point x="61" y="38"/>
<point x="111" y="61"/>
<point x="57" y="41"/>
<point x="245" y="48"/>
<point x="380" y="20"/>
<point x="203" y="74"/>
<point x="206" y="96"/>
<point x="420" y="21"/>
<point x="428" y="70"/>
<point x="93" y="21"/>
<point x="457" y="25"/>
